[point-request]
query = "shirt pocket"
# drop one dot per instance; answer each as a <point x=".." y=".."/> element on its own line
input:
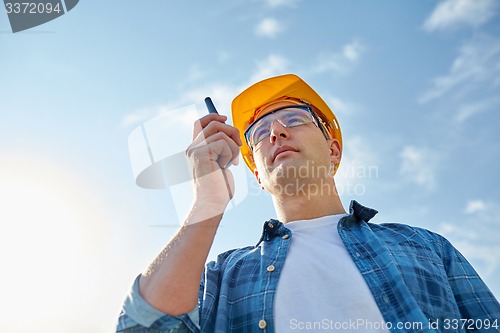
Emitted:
<point x="425" y="276"/>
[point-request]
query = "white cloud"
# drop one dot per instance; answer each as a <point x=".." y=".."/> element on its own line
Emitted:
<point x="483" y="254"/>
<point x="451" y="13"/>
<point x="341" y="61"/>
<point x="358" y="151"/>
<point x="468" y="110"/>
<point x="359" y="166"/>
<point x="137" y="116"/>
<point x="269" y="27"/>
<point x="446" y="228"/>
<point x="328" y="61"/>
<point x="353" y="51"/>
<point x="272" y="65"/>
<point x="476" y="65"/>
<point x="419" y="165"/>
<point x="476" y="235"/>
<point x="341" y="106"/>
<point x="475" y="206"/>
<point x="281" y="3"/>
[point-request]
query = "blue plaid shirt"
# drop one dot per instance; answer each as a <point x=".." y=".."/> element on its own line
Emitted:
<point x="420" y="283"/>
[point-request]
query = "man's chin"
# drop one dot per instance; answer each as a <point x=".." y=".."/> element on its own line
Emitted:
<point x="297" y="168"/>
<point x="288" y="168"/>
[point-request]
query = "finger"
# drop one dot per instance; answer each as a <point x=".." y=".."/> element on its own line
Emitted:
<point x="217" y="127"/>
<point x="217" y="153"/>
<point x="201" y="123"/>
<point x="234" y="148"/>
<point x="223" y="151"/>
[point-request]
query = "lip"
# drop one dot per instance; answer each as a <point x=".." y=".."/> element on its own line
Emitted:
<point x="283" y="149"/>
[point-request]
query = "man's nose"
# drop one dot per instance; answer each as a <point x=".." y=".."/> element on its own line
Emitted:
<point x="277" y="131"/>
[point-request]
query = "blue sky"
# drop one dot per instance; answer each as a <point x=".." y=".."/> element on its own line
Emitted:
<point x="414" y="86"/>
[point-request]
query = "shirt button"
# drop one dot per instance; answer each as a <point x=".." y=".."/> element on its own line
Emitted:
<point x="270" y="225"/>
<point x="386" y="299"/>
<point x="270" y="268"/>
<point x="358" y="255"/>
<point x="262" y="324"/>
<point x="285" y="236"/>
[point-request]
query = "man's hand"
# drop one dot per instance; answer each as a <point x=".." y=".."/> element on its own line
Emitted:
<point x="215" y="146"/>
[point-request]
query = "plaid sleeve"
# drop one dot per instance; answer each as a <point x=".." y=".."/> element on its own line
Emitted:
<point x="475" y="301"/>
<point x="138" y="316"/>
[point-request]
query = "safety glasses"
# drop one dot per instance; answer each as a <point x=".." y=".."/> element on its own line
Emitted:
<point x="289" y="116"/>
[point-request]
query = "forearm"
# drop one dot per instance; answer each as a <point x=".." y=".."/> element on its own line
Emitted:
<point x="171" y="283"/>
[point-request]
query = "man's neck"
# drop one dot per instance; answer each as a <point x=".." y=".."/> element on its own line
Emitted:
<point x="307" y="203"/>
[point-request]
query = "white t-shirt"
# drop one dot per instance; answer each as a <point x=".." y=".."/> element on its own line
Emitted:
<point x="320" y="287"/>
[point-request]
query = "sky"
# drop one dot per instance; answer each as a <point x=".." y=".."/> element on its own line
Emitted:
<point x="414" y="84"/>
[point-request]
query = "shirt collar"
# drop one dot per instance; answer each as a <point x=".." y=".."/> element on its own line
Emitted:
<point x="357" y="212"/>
<point x="360" y="212"/>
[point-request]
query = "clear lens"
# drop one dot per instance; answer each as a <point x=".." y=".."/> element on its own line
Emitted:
<point x="288" y="117"/>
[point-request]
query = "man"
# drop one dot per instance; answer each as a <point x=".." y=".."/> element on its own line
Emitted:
<point x="315" y="268"/>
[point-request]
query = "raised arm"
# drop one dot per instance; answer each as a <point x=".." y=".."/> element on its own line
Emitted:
<point x="171" y="283"/>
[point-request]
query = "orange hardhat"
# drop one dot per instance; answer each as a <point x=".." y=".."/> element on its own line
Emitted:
<point x="246" y="105"/>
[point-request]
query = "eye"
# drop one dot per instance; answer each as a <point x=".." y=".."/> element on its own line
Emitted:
<point x="259" y="134"/>
<point x="296" y="120"/>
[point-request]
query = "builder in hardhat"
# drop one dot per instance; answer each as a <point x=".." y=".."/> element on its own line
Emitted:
<point x="315" y="267"/>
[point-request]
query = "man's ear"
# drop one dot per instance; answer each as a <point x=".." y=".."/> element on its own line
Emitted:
<point x="256" y="174"/>
<point x="335" y="151"/>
